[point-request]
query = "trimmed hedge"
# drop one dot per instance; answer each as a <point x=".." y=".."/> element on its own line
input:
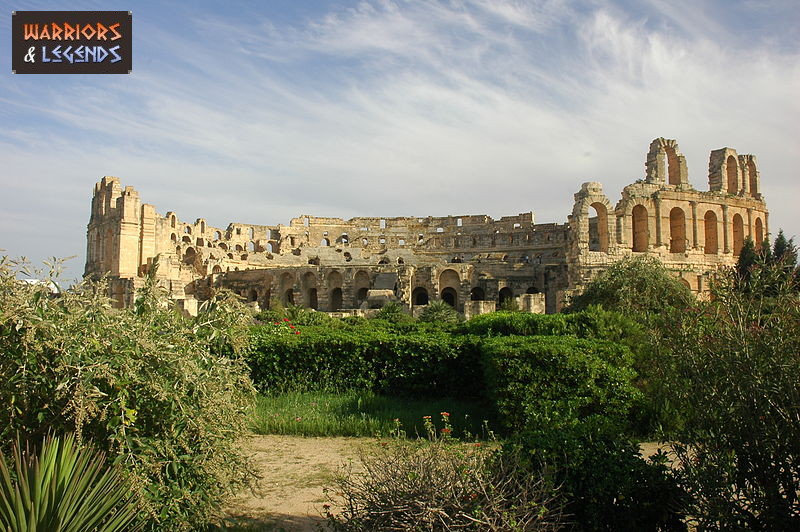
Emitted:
<point x="546" y="381"/>
<point x="418" y="362"/>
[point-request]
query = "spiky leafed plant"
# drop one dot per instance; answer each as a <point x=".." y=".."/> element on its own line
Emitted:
<point x="65" y="488"/>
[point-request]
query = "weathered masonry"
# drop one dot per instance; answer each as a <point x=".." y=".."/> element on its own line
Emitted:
<point x="472" y="262"/>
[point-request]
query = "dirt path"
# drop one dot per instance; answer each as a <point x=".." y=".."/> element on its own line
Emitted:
<point x="294" y="471"/>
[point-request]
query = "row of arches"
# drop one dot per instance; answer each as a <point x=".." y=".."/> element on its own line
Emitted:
<point x="678" y="236"/>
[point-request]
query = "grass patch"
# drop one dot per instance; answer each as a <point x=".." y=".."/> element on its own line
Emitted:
<point x="364" y="414"/>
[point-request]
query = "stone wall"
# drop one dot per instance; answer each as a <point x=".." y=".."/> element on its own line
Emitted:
<point x="332" y="264"/>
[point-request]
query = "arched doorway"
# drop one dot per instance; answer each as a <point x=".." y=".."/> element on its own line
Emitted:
<point x="738" y="234"/>
<point x="288" y="297"/>
<point x="419" y="296"/>
<point x="677" y="231"/>
<point x="361" y="295"/>
<point x="759" y="233"/>
<point x="312" y="298"/>
<point x="711" y="233"/>
<point x="732" y="172"/>
<point x="598" y="228"/>
<point x="505" y="295"/>
<point x="641" y="233"/>
<point x="477" y="294"/>
<point x="450" y="296"/>
<point x="336" y="299"/>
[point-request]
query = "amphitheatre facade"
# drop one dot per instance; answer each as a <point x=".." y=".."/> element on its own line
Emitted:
<point x="472" y="262"/>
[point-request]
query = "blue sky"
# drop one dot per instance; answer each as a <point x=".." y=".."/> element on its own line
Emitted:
<point x="257" y="112"/>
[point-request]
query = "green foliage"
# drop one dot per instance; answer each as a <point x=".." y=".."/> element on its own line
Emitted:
<point x="146" y="385"/>
<point x="296" y="314"/>
<point x="542" y="382"/>
<point x="393" y="312"/>
<point x="440" y="312"/>
<point x="639" y="287"/>
<point x="731" y="370"/>
<point x="779" y="264"/>
<point x="443" y="485"/>
<point x="65" y="487"/>
<point x="594" y="322"/>
<point x="360" y="413"/>
<point x="369" y="356"/>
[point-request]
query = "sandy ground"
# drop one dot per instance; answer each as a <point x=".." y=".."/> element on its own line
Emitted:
<point x="294" y="471"/>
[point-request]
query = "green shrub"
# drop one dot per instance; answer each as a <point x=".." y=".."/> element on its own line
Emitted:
<point x="545" y="381"/>
<point x="731" y="370"/>
<point x="65" y="487"/>
<point x="439" y="312"/>
<point x="372" y="356"/>
<point x="393" y="312"/>
<point x="144" y="384"/>
<point x="639" y="287"/>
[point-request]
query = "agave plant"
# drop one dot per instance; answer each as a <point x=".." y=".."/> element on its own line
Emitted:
<point x="65" y="488"/>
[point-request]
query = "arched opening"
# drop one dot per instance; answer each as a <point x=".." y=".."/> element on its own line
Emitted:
<point x="269" y="247"/>
<point x="199" y="242"/>
<point x="505" y="295"/>
<point x="532" y="290"/>
<point x="598" y="228"/>
<point x="677" y="231"/>
<point x="217" y="235"/>
<point x="477" y="294"/>
<point x="288" y="297"/>
<point x="710" y="230"/>
<point x="172" y="221"/>
<point x="361" y="295"/>
<point x="738" y="234"/>
<point x="641" y="233"/>
<point x="450" y="296"/>
<point x="174" y="238"/>
<point x="189" y="256"/>
<point x="419" y="296"/>
<point x="732" y="172"/>
<point x="187" y="230"/>
<point x="384" y="260"/>
<point x="251" y="233"/>
<point x="251" y="246"/>
<point x="312" y="298"/>
<point x="759" y="233"/>
<point x="685" y="283"/>
<point x="186" y="240"/>
<point x="336" y="299"/>
<point x="252" y="295"/>
<point x="202" y="227"/>
<point x="324" y="243"/>
<point x="673" y="172"/>
<point x="223" y="246"/>
<point x="751" y="171"/>
<point x="216" y="269"/>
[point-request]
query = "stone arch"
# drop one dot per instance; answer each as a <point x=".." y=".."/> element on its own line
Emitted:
<point x="252" y="295"/>
<point x="759" y="233"/>
<point x="753" y="177"/>
<point x="677" y="230"/>
<point x="419" y="296"/>
<point x="223" y="246"/>
<point x="174" y="238"/>
<point x="334" y="279"/>
<point x="449" y="278"/>
<point x="450" y="296"/>
<point x="640" y="229"/>
<point x="188" y="229"/>
<point x="711" y="232"/>
<point x="336" y="299"/>
<point x="673" y="172"/>
<point x="685" y="283"/>
<point x="186" y="240"/>
<point x="598" y="228"/>
<point x="738" y="234"/>
<point x="665" y="163"/>
<point x="324" y="243"/>
<point x="477" y="294"/>
<point x="172" y="221"/>
<point x="189" y="256"/>
<point x="732" y="174"/>
<point x="217" y="235"/>
<point x="309" y="282"/>
<point x="216" y="269"/>
<point x="202" y="226"/>
<point x="199" y="242"/>
<point x="505" y="294"/>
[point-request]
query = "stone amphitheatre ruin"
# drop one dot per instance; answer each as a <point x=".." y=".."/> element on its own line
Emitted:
<point x="472" y="262"/>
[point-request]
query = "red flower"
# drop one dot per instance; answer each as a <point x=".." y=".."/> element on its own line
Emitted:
<point x="446" y="431"/>
<point x="285" y="319"/>
<point x="426" y="417"/>
<point x="297" y="332"/>
<point x="291" y="326"/>
<point x="446" y="414"/>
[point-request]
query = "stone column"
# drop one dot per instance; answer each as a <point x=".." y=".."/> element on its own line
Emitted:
<point x="658" y="221"/>
<point x="725" y="230"/>
<point x="694" y="224"/>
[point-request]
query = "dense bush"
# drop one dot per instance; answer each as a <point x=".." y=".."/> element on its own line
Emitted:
<point x="439" y="312"/>
<point x="640" y="287"/>
<point x="732" y="371"/>
<point x="144" y="384"/>
<point x="369" y="356"/>
<point x="594" y="322"/>
<point x="542" y="382"/>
